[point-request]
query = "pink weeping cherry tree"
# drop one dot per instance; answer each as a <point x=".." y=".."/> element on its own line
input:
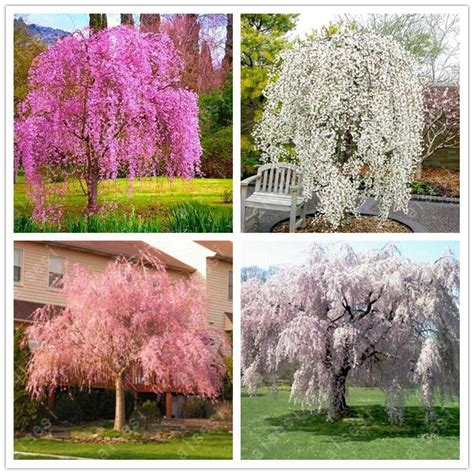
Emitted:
<point x="372" y="318"/>
<point x="103" y="103"/>
<point x="132" y="320"/>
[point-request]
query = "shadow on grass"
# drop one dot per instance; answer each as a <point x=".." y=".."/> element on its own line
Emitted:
<point x="371" y="423"/>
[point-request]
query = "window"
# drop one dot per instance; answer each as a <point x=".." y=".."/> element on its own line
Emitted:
<point x="230" y="287"/>
<point x="55" y="271"/>
<point x="18" y="265"/>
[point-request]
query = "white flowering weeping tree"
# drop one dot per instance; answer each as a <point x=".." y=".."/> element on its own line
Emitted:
<point x="348" y="109"/>
<point x="374" y="318"/>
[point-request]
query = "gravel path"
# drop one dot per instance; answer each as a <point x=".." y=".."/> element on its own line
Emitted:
<point x="430" y="216"/>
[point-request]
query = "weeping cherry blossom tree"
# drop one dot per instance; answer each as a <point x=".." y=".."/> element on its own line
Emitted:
<point x="374" y="317"/>
<point x="130" y="321"/>
<point x="348" y="109"/>
<point x="102" y="103"/>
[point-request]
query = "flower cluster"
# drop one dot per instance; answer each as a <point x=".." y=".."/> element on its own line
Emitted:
<point x="348" y="109"/>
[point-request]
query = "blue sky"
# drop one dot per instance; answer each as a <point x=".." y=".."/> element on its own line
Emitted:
<point x="62" y="21"/>
<point x="264" y="254"/>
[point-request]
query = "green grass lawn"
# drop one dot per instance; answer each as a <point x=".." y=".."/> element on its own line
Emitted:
<point x="211" y="445"/>
<point x="274" y="428"/>
<point x="147" y="206"/>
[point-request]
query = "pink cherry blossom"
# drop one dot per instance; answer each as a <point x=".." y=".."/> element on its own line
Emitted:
<point x="130" y="324"/>
<point x="375" y="317"/>
<point x="105" y="103"/>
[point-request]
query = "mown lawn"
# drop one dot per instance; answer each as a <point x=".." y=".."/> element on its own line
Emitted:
<point x="211" y="445"/>
<point x="144" y="205"/>
<point x="273" y="428"/>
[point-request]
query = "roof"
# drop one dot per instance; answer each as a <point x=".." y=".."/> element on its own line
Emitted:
<point x="222" y="248"/>
<point x="129" y="249"/>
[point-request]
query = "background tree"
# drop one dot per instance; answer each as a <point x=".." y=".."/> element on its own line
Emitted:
<point x="27" y="412"/>
<point x="130" y="320"/>
<point x="150" y="22"/>
<point x="216" y="131"/>
<point x="263" y="37"/>
<point x="106" y="113"/>
<point x="126" y="19"/>
<point x="346" y="108"/>
<point x="434" y="40"/>
<point x="26" y="47"/>
<point x="442" y="119"/>
<point x="342" y="316"/>
<point x="97" y="21"/>
<point x="228" y="52"/>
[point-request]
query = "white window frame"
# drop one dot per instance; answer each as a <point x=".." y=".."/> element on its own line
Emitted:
<point x="51" y="287"/>
<point x="22" y="265"/>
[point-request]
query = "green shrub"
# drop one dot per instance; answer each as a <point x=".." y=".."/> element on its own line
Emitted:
<point x="198" y="218"/>
<point x="223" y="412"/>
<point x="27" y="412"/>
<point x="194" y="407"/>
<point x="417" y="187"/>
<point x="227" y="389"/>
<point x="146" y="414"/>
<point x="215" y="119"/>
<point x="216" y="159"/>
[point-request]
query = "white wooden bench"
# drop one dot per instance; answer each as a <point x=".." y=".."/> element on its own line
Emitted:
<point x="277" y="188"/>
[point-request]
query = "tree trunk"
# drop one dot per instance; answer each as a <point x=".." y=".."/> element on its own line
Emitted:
<point x="418" y="172"/>
<point x="119" y="422"/>
<point x="92" y="185"/>
<point x="150" y="22"/>
<point x="337" y="402"/>
<point x="126" y="19"/>
<point x="227" y="60"/>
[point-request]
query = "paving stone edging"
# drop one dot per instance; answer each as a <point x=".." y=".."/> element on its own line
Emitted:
<point x="427" y="197"/>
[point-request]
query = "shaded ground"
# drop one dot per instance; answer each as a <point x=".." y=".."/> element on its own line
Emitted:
<point x="273" y="428"/>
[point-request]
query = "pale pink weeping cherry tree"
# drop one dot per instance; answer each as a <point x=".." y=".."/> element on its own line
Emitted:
<point x="340" y="317"/>
<point x="105" y="103"/>
<point x="130" y="320"/>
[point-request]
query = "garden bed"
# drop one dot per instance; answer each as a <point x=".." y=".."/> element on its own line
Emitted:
<point x="437" y="182"/>
<point x="362" y="224"/>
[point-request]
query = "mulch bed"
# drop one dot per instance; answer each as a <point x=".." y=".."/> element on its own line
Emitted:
<point x="444" y="182"/>
<point x="361" y="224"/>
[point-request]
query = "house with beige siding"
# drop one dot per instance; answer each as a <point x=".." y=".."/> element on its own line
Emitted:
<point x="40" y="265"/>
<point x="212" y="260"/>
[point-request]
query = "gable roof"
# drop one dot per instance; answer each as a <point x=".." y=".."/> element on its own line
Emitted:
<point x="129" y="249"/>
<point x="222" y="248"/>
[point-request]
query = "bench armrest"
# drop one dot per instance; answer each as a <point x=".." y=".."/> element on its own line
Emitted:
<point x="294" y="189"/>
<point x="245" y="182"/>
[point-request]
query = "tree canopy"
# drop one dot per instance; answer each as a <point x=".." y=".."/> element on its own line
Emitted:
<point x="130" y="324"/>
<point x="373" y="317"/>
<point x="104" y="102"/>
<point x="348" y="109"/>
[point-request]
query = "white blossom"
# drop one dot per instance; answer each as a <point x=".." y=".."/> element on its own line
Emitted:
<point x="347" y="109"/>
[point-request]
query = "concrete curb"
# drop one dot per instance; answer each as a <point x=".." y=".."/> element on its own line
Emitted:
<point x="56" y="456"/>
<point x="425" y="197"/>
